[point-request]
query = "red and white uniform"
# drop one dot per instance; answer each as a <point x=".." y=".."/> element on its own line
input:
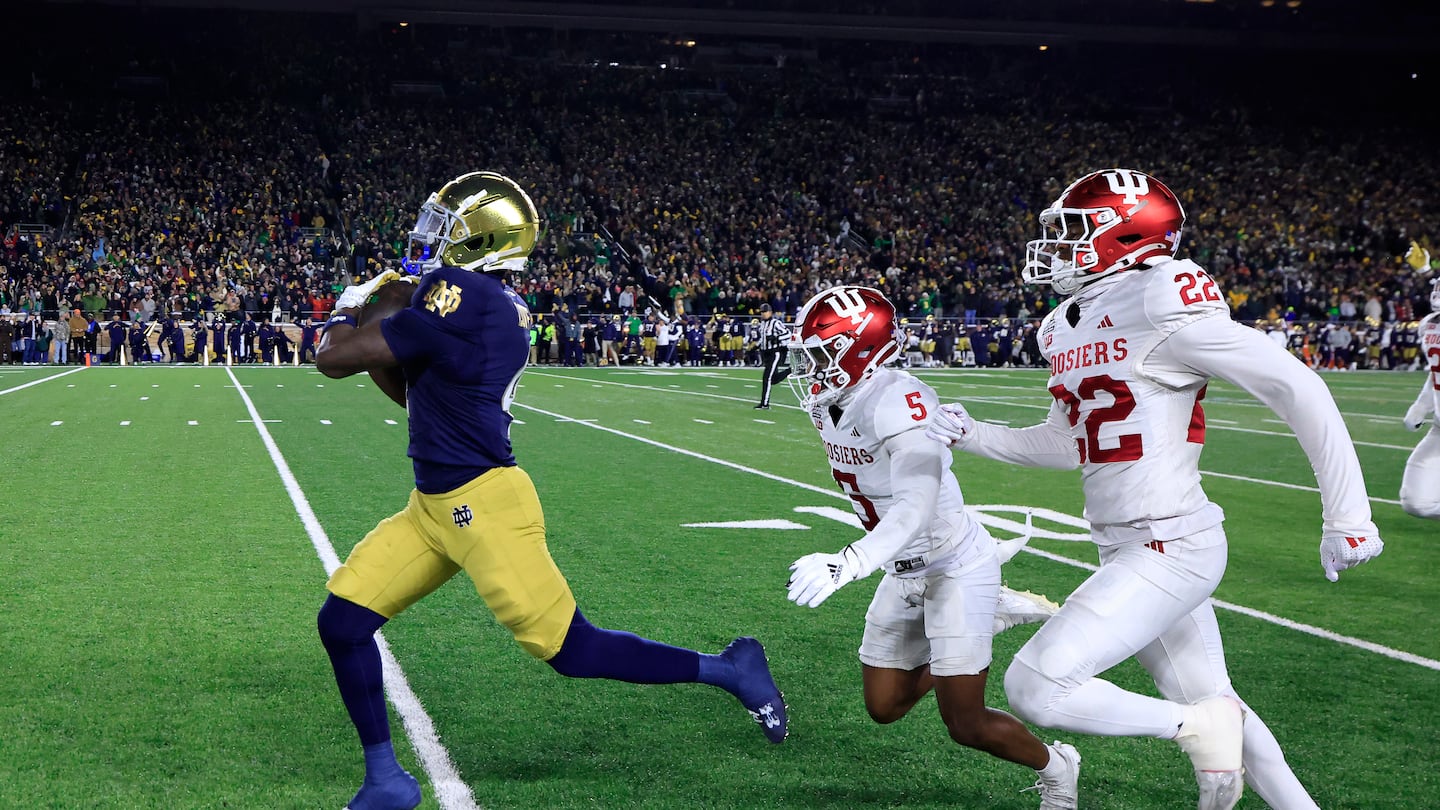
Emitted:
<point x="936" y="601"/>
<point x="1128" y="380"/>
<point x="1130" y="356"/>
<point x="1420" y="486"/>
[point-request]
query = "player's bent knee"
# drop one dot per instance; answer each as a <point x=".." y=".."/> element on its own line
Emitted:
<point x="885" y="712"/>
<point x="344" y="623"/>
<point x="1420" y="507"/>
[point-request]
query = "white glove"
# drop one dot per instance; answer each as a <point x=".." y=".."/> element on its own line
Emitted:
<point x="816" y="576"/>
<point x="356" y="295"/>
<point x="1415" y="417"/>
<point x="1341" y="550"/>
<point x="951" y="425"/>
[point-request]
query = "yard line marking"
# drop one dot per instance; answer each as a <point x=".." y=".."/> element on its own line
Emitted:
<point x="1319" y="632"/>
<point x="451" y="792"/>
<point x="41" y="380"/>
<point x="1264" y="481"/>
<point x="995" y="401"/>
<point x="1302" y="487"/>
<point x="704" y="421"/>
<point x="56" y="423"/>
<point x="248" y="421"/>
<point x="764" y="421"/>
<point x="639" y="421"/>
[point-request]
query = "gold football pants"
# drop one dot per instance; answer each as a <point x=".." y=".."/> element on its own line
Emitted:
<point x="492" y="527"/>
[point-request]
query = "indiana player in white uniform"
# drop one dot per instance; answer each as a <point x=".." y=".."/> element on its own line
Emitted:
<point x="1130" y="354"/>
<point x="934" y="613"/>
<point x="1420" y="488"/>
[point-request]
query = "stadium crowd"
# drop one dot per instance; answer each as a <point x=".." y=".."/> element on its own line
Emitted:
<point x="709" y="192"/>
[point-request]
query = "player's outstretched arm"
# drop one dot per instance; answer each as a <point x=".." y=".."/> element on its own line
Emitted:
<point x="1047" y="444"/>
<point x="1219" y="347"/>
<point x="916" y="466"/>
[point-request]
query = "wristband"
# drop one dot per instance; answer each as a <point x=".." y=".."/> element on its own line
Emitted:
<point x="338" y="318"/>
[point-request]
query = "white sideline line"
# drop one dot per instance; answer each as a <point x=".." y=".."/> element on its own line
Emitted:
<point x="41" y="380"/>
<point x="451" y="792"/>
<point x="1263" y="481"/>
<point x="1308" y="629"/>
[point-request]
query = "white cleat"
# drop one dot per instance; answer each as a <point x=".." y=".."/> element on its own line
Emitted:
<point x="1015" y="608"/>
<point x="1060" y="792"/>
<point x="1212" y="734"/>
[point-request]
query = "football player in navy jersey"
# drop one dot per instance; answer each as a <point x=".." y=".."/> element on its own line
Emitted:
<point x="455" y="357"/>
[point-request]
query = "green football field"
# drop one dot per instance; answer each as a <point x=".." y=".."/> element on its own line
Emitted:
<point x="159" y="578"/>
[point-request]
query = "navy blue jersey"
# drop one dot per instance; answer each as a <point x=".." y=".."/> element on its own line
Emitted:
<point x="462" y="344"/>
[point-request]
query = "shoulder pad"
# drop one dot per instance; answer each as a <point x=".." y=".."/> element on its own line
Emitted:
<point x="901" y="402"/>
<point x="1178" y="292"/>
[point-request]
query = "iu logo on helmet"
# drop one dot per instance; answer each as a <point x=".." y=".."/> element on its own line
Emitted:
<point x="848" y="303"/>
<point x="1128" y="182"/>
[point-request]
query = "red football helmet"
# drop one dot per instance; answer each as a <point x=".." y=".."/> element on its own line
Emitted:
<point x="841" y="336"/>
<point x="1106" y="221"/>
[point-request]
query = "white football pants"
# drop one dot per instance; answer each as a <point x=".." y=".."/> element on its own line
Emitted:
<point x="1151" y="602"/>
<point x="1420" y="488"/>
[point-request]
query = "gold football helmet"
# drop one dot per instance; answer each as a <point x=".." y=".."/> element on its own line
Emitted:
<point x="480" y="221"/>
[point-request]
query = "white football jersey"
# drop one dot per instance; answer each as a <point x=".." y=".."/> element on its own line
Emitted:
<point x="890" y="403"/>
<point x="1139" y="441"/>
<point x="1430" y="353"/>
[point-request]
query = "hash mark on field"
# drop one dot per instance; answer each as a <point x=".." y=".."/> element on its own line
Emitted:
<point x="279" y="385"/>
<point x="324" y="421"/>
<point x="764" y="421"/>
<point x="41" y="380"/>
<point x="155" y="385"/>
<point x="672" y="386"/>
<point x="391" y="422"/>
<point x="193" y="422"/>
<point x="639" y="421"/>
<point x="112" y="385"/>
<point x="71" y="385"/>
<point x="704" y="421"/>
<point x="142" y="399"/>
<point x="56" y="423"/>
<point x="451" y="792"/>
<point x="708" y="385"/>
<point x="125" y="423"/>
<point x="1223" y="421"/>
<point x="512" y="421"/>
<point x="749" y="385"/>
<point x="319" y="385"/>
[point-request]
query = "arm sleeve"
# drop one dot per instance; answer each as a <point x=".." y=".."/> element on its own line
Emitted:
<point x="916" y="464"/>
<point x="1047" y="444"/>
<point x="1219" y="347"/>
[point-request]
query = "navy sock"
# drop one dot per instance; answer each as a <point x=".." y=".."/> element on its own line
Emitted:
<point x="380" y="763"/>
<point x="593" y="652"/>
<point x="348" y="633"/>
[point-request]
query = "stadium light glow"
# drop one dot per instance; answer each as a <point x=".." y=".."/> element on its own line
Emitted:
<point x="1044" y="47"/>
<point x="404" y="25"/>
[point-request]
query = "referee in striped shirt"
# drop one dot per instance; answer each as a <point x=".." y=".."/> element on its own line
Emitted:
<point x="773" y="336"/>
